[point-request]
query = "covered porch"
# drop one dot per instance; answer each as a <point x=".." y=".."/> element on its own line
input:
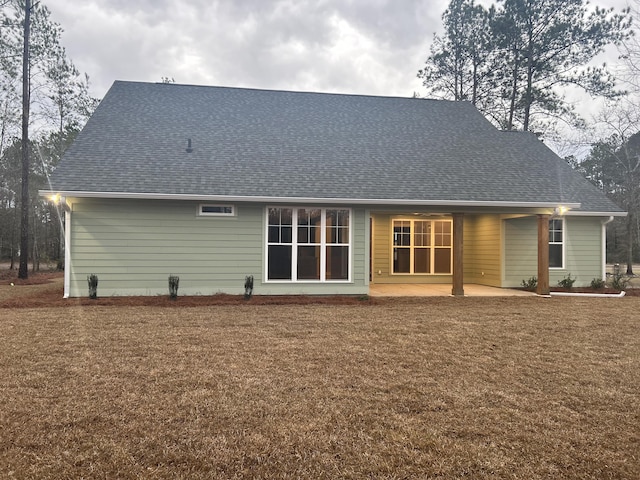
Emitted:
<point x="442" y="290"/>
<point x="453" y="253"/>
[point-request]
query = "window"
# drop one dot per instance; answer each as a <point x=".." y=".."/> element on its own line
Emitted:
<point x="207" y="210"/>
<point x="422" y="246"/>
<point x="308" y="244"/>
<point x="556" y="243"/>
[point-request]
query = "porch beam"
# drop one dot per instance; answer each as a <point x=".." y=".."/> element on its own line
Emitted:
<point x="543" y="255"/>
<point x="457" y="289"/>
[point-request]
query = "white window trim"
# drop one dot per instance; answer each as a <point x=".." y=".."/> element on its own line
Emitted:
<point x="411" y="247"/>
<point x="563" y="243"/>
<point x="200" y="213"/>
<point x="294" y="246"/>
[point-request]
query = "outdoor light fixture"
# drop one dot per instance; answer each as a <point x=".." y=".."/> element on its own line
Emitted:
<point x="57" y="199"/>
<point x="560" y="210"/>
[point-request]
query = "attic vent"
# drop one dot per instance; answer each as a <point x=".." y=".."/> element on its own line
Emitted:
<point x="189" y="149"/>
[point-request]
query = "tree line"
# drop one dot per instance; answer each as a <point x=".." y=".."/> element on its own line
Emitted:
<point x="516" y="59"/>
<point x="613" y="165"/>
<point x="58" y="105"/>
<point x="512" y="60"/>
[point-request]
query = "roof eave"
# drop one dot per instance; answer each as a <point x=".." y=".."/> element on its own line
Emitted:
<point x="578" y="213"/>
<point x="308" y="200"/>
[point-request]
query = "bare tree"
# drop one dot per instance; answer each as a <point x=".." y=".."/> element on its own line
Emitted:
<point x="614" y="165"/>
<point x="23" y="270"/>
<point x="54" y="97"/>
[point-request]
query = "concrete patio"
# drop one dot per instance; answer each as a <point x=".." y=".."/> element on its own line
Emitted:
<point x="442" y="290"/>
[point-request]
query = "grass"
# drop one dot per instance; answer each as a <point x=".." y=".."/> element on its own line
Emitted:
<point x="426" y="388"/>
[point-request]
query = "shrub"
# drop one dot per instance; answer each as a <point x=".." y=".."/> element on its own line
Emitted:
<point x="92" y="280"/>
<point x="598" y="284"/>
<point x="530" y="284"/>
<point x="248" y="287"/>
<point x="619" y="281"/>
<point x="567" y="282"/>
<point x="174" y="281"/>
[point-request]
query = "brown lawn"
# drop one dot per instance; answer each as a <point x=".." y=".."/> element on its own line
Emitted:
<point x="479" y="388"/>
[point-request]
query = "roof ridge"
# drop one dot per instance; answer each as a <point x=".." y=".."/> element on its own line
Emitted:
<point x="303" y="92"/>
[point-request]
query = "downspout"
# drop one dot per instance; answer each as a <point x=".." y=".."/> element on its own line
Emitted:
<point x="604" y="246"/>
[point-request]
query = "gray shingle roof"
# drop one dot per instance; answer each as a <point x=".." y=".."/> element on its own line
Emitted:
<point x="260" y="143"/>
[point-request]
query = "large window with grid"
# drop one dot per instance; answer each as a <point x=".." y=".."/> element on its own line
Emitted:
<point x="308" y="244"/>
<point x="556" y="243"/>
<point x="422" y="247"/>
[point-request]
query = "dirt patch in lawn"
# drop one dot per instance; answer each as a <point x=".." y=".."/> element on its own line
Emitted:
<point x="38" y="289"/>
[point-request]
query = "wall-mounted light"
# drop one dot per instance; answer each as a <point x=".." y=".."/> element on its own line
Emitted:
<point x="560" y="210"/>
<point x="59" y="200"/>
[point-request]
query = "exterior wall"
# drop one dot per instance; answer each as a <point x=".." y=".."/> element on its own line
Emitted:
<point x="381" y="262"/>
<point x="582" y="251"/>
<point x="134" y="245"/>
<point x="482" y="250"/>
<point x="521" y="250"/>
<point x="482" y="254"/>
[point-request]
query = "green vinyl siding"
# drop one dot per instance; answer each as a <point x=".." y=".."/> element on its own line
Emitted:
<point x="583" y="251"/>
<point x="520" y="250"/>
<point x="134" y="245"/>
<point x="582" y="247"/>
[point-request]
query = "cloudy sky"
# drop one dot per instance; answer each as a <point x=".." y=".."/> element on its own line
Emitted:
<point x="346" y="46"/>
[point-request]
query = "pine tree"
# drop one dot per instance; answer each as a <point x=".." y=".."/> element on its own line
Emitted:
<point x="527" y="49"/>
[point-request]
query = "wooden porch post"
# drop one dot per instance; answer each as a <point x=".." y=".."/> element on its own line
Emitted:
<point x="458" y="270"/>
<point x="543" y="255"/>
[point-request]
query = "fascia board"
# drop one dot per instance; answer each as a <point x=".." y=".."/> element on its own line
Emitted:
<point x="306" y="200"/>
<point x="578" y="213"/>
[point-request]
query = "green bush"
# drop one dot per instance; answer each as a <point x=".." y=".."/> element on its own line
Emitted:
<point x="248" y="287"/>
<point x="598" y="284"/>
<point x="92" y="280"/>
<point x="530" y="284"/>
<point x="567" y="282"/>
<point x="619" y="281"/>
<point x="174" y="281"/>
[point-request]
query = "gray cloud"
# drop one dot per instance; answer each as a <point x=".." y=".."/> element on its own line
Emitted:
<point x="349" y="46"/>
<point x="370" y="47"/>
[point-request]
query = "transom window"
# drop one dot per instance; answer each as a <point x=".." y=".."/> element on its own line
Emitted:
<point x="308" y="244"/>
<point x="556" y="243"/>
<point x="422" y="246"/>
<point x="210" y="210"/>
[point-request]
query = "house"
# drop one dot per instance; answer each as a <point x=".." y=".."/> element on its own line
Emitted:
<point x="315" y="193"/>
